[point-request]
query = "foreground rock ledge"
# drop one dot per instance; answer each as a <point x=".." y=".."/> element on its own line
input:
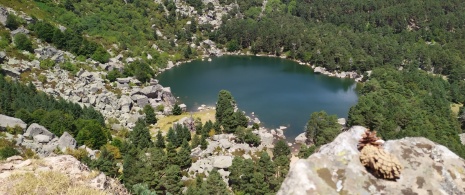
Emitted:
<point x="429" y="168"/>
<point x="61" y="174"/>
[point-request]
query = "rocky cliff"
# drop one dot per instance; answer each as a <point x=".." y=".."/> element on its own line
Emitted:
<point x="429" y="168"/>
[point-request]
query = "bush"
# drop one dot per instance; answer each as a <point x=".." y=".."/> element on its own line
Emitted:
<point x="68" y="66"/>
<point x="113" y="75"/>
<point x="160" y="108"/>
<point x="101" y="55"/>
<point x="42" y="78"/>
<point x="23" y="43"/>
<point x="14" y="130"/>
<point x="47" y="64"/>
<point x="12" y="22"/>
<point x="8" y="152"/>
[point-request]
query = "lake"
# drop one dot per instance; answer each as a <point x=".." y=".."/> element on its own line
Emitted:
<point x="280" y="92"/>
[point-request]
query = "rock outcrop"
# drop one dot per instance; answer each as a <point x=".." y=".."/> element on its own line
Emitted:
<point x="7" y="121"/>
<point x="54" y="175"/>
<point x="428" y="168"/>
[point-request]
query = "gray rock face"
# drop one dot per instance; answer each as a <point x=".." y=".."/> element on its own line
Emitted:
<point x="462" y="138"/>
<point x="42" y="138"/>
<point x="429" y="168"/>
<point x="222" y="162"/>
<point x="6" y="121"/>
<point x="36" y="129"/>
<point x="12" y="72"/>
<point x="225" y="143"/>
<point x="66" y="141"/>
<point x="266" y="138"/>
<point x="3" y="15"/>
<point x="301" y="139"/>
<point x="19" y="30"/>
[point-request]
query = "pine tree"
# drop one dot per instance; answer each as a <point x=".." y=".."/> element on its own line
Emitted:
<point x="215" y="184"/>
<point x="177" y="110"/>
<point x="195" y="141"/>
<point x="240" y="119"/>
<point x="282" y="167"/>
<point x="281" y="149"/>
<point x="203" y="143"/>
<point x="321" y="128"/>
<point x="171" y="136"/>
<point x="267" y="169"/>
<point x="225" y="108"/>
<point x="160" y="143"/>
<point x="172" y="155"/>
<point x="133" y="164"/>
<point x="140" y="136"/>
<point x="150" y="117"/>
<point x="155" y="166"/>
<point x="172" y="180"/>
<point x="106" y="163"/>
<point x="184" y="155"/>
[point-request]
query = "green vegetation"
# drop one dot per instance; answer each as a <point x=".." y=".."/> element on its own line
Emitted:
<point x="225" y="115"/>
<point x="150" y="117"/>
<point x="177" y="110"/>
<point x="58" y="116"/>
<point x="22" y="42"/>
<point x="408" y="103"/>
<point x="322" y="128"/>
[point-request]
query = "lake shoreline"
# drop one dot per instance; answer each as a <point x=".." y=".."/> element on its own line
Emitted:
<point x="316" y="69"/>
<point x="330" y="91"/>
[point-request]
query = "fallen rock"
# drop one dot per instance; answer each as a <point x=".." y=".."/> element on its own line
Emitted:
<point x="36" y="129"/>
<point x="6" y="121"/>
<point x="429" y="168"/>
<point x="42" y="138"/>
<point x="222" y="162"/>
<point x="301" y="139"/>
<point x="224" y="143"/>
<point x="66" y="141"/>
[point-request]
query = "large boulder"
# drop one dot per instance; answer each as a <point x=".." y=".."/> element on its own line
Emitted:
<point x="36" y="129"/>
<point x="222" y="162"/>
<point x="266" y="138"/>
<point x="66" y="141"/>
<point x="3" y="15"/>
<point x="42" y="139"/>
<point x="429" y="168"/>
<point x="301" y="139"/>
<point x="6" y="121"/>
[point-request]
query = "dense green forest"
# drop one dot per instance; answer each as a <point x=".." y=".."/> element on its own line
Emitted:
<point x="32" y="106"/>
<point x="408" y="103"/>
<point x="355" y="35"/>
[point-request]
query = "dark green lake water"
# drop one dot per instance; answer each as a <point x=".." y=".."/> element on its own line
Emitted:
<point x="280" y="92"/>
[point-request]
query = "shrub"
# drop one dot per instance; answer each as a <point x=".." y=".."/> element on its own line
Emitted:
<point x="14" y="130"/>
<point x="113" y="75"/>
<point x="42" y="78"/>
<point x="47" y="64"/>
<point x="8" y="152"/>
<point x="12" y="22"/>
<point x="23" y="43"/>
